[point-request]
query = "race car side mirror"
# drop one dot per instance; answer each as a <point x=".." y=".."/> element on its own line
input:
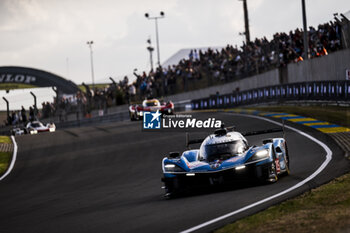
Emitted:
<point x="174" y="154"/>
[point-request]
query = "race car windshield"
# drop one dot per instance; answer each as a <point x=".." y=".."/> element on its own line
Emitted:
<point x="36" y="125"/>
<point x="222" y="151"/>
<point x="151" y="104"/>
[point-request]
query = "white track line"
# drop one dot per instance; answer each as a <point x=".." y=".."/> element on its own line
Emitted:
<point x="14" y="156"/>
<point x="313" y="175"/>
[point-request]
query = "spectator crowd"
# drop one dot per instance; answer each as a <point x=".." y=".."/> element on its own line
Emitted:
<point x="215" y="66"/>
<point x="21" y="117"/>
<point x="232" y="63"/>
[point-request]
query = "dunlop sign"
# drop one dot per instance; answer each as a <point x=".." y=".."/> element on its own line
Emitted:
<point x="17" y="78"/>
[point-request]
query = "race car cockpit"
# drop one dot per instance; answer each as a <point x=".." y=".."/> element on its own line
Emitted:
<point x="221" y="151"/>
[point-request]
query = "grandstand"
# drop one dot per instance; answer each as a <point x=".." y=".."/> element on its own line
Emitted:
<point x="200" y="72"/>
<point x="186" y="71"/>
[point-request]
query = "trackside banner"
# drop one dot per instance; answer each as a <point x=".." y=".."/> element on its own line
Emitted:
<point x="153" y="121"/>
<point x="304" y="91"/>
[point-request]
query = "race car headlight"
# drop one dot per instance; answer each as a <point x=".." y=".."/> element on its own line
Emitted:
<point x="261" y="154"/>
<point x="172" y="168"/>
<point x="52" y="129"/>
<point x="140" y="113"/>
<point x="33" y="131"/>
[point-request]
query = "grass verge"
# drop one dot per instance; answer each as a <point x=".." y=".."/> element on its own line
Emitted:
<point x="5" y="157"/>
<point x="332" y="114"/>
<point x="13" y="86"/>
<point x="324" y="209"/>
<point x="5" y="139"/>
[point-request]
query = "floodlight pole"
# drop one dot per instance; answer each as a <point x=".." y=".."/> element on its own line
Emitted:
<point x="89" y="43"/>
<point x="157" y="36"/>
<point x="246" y="21"/>
<point x="157" y="39"/>
<point x="306" y="42"/>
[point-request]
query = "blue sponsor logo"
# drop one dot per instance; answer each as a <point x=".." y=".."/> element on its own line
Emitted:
<point x="151" y="120"/>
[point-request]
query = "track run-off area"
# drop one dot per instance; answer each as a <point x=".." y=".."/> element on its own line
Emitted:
<point x="107" y="178"/>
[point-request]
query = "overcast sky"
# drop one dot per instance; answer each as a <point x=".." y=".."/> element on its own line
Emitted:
<point x="52" y="34"/>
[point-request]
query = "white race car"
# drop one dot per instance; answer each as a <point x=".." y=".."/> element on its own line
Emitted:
<point x="40" y="127"/>
<point x="22" y="130"/>
<point x="18" y="131"/>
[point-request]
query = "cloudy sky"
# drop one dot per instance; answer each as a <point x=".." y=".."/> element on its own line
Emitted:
<point x="52" y="34"/>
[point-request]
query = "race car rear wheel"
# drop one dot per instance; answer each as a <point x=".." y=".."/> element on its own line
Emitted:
<point x="272" y="173"/>
<point x="137" y="116"/>
<point x="287" y="160"/>
<point x="132" y="117"/>
<point x="272" y="176"/>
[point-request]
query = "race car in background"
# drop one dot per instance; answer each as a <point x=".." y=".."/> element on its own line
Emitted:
<point x="40" y="127"/>
<point x="22" y="130"/>
<point x="150" y="105"/>
<point x="225" y="157"/>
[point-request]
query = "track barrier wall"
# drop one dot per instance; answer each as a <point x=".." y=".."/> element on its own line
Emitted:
<point x="335" y="91"/>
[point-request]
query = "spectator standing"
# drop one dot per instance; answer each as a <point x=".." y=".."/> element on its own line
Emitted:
<point x="23" y="115"/>
<point x="132" y="92"/>
<point x="15" y="118"/>
<point x="31" y="114"/>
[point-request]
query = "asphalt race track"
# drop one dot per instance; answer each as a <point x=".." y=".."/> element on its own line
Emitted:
<point x="106" y="178"/>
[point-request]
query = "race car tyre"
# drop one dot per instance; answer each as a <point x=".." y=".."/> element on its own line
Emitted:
<point x="137" y="117"/>
<point x="172" y="188"/>
<point x="287" y="154"/>
<point x="272" y="176"/>
<point x="272" y="173"/>
<point x="287" y="161"/>
<point x="132" y="117"/>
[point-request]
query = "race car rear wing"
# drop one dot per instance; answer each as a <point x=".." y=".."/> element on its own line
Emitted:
<point x="233" y="128"/>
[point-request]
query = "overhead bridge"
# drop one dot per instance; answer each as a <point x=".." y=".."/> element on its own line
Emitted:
<point x="29" y="77"/>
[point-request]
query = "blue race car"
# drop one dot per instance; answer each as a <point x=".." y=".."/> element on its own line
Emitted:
<point x="225" y="156"/>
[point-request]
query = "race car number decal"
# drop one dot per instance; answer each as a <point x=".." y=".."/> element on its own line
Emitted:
<point x="278" y="168"/>
<point x="195" y="164"/>
<point x="234" y="159"/>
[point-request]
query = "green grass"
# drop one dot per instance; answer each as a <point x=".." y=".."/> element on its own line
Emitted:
<point x="324" y="209"/>
<point x="5" y="157"/>
<point x="5" y="139"/>
<point x="11" y="86"/>
<point x="332" y="114"/>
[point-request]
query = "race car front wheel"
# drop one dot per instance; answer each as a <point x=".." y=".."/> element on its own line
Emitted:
<point x="172" y="187"/>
